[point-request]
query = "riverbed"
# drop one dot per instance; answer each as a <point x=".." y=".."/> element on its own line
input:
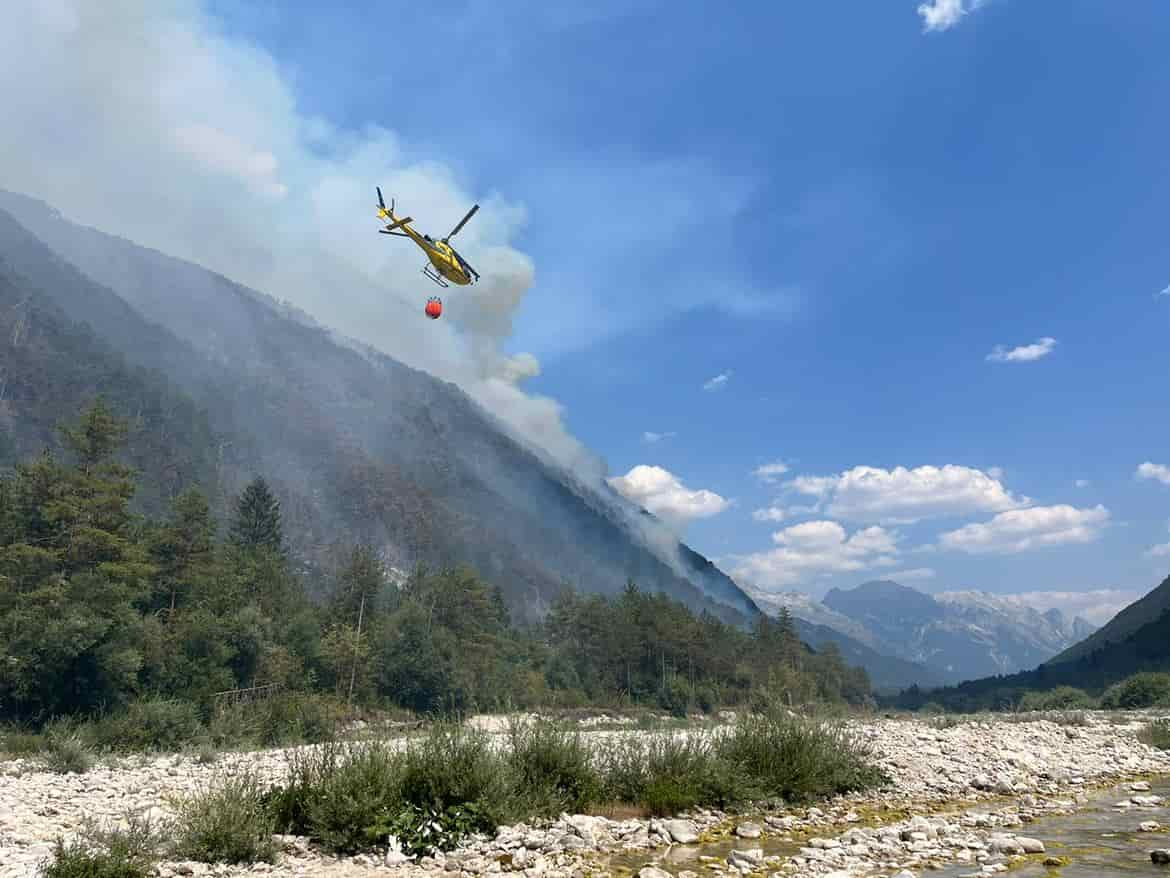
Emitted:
<point x="962" y="790"/>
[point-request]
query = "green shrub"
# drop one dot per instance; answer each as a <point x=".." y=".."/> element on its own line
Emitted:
<point x="455" y="766"/>
<point x="707" y="699"/>
<point x="76" y="860"/>
<point x="797" y="760"/>
<point x="18" y="742"/>
<point x="225" y="823"/>
<point x="154" y="724"/>
<point x="1156" y="734"/>
<point x="551" y="769"/>
<point x="234" y="725"/>
<point x="107" y="853"/>
<point x="675" y="698"/>
<point x="296" y="718"/>
<point x="667" y="773"/>
<point x="65" y="750"/>
<point x="1149" y="689"/>
<point x="344" y="797"/>
<point x="1060" y="698"/>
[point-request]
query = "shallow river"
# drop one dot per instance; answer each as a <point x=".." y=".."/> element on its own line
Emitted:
<point x="1098" y="840"/>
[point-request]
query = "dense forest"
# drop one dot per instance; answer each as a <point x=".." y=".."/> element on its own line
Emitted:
<point x="101" y="607"/>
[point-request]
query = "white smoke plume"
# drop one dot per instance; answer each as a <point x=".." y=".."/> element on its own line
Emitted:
<point x="142" y="119"/>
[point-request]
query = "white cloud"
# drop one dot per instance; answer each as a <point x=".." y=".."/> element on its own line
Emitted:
<point x="718" y="381"/>
<point x="1161" y="550"/>
<point x="939" y="15"/>
<point x="663" y="493"/>
<point x="771" y="513"/>
<point x="651" y="437"/>
<point x="912" y="575"/>
<point x="1019" y="530"/>
<point x="1081" y="483"/>
<point x="902" y="495"/>
<point x="1157" y="471"/>
<point x="770" y="472"/>
<point x="1024" y="353"/>
<point x="1094" y="605"/>
<point x="1165" y="292"/>
<point x="165" y="130"/>
<point x="816" y="548"/>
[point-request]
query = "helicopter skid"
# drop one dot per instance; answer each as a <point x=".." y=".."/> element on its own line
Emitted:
<point x="434" y="275"/>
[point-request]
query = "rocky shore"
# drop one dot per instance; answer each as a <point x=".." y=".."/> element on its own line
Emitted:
<point x="961" y="793"/>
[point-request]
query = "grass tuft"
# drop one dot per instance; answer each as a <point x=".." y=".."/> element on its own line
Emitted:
<point x="228" y="822"/>
<point x="101" y="852"/>
<point x="1156" y="734"/>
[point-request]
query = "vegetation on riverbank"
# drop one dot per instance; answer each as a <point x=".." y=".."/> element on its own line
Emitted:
<point x="138" y="626"/>
<point x="431" y="792"/>
<point x="1139" y="691"/>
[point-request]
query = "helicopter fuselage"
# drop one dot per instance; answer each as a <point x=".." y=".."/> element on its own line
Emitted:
<point x="442" y="256"/>
<point x="445" y="264"/>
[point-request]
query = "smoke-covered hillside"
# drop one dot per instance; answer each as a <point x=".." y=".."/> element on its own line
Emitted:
<point x="359" y="446"/>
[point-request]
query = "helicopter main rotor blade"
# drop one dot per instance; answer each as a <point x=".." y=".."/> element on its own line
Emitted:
<point x="462" y="223"/>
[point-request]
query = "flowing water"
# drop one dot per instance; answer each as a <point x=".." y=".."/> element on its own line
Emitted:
<point x="1098" y="841"/>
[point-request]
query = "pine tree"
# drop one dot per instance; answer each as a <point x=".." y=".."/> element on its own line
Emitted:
<point x="361" y="580"/>
<point x="257" y="521"/>
<point x="789" y="638"/>
<point x="183" y="548"/>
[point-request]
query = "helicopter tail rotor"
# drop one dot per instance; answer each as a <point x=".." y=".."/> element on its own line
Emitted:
<point x="382" y="211"/>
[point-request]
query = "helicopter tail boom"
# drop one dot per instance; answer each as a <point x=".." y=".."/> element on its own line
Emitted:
<point x="398" y="223"/>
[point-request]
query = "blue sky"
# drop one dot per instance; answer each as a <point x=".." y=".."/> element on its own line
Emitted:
<point x="843" y="208"/>
<point x="846" y="213"/>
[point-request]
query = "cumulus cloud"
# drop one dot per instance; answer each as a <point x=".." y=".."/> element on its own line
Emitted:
<point x="663" y="493"/>
<point x="1161" y="550"/>
<point x="940" y="15"/>
<point x="1081" y="483"/>
<point x="902" y="495"/>
<point x="162" y="129"/>
<point x="770" y="472"/>
<point x="813" y="549"/>
<point x="1157" y="471"/>
<point x="718" y="382"/>
<point x="1094" y="605"/>
<point x="1024" y="353"/>
<point x="1165" y="292"/>
<point x="1022" y="529"/>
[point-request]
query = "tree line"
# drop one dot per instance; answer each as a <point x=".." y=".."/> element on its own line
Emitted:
<point x="100" y="607"/>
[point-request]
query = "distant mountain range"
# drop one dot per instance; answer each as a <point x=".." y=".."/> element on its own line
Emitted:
<point x="1136" y="640"/>
<point x="817" y="626"/>
<point x="952" y="635"/>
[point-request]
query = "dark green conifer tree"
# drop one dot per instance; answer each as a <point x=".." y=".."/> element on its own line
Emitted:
<point x="257" y="521"/>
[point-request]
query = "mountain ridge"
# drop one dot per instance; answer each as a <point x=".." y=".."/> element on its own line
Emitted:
<point x="957" y="635"/>
<point x="351" y="435"/>
<point x="1146" y="609"/>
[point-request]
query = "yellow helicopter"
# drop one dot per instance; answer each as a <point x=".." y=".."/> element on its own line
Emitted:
<point x="445" y="263"/>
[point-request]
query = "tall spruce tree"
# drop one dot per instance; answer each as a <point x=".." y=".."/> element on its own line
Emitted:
<point x="257" y="520"/>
